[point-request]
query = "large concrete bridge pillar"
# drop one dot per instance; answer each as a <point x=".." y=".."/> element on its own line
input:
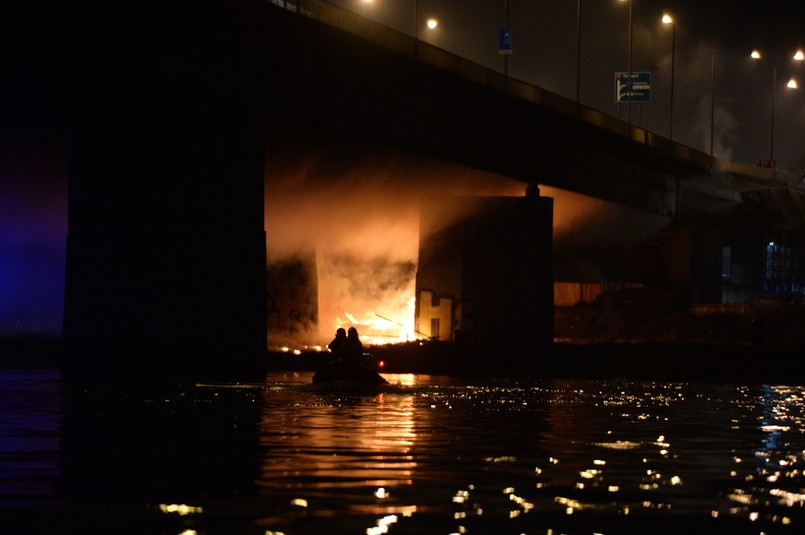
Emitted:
<point x="166" y="244"/>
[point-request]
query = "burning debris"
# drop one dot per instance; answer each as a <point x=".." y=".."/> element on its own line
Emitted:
<point x="349" y="221"/>
<point x="375" y="295"/>
<point x="353" y="219"/>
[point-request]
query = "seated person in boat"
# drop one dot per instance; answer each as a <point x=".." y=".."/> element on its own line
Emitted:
<point x="338" y="345"/>
<point x="353" y="349"/>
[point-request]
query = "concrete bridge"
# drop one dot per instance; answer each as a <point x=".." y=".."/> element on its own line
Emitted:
<point x="173" y="110"/>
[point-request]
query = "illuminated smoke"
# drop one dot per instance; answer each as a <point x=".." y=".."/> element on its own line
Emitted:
<point x="694" y="101"/>
<point x="358" y="213"/>
<point x="587" y="230"/>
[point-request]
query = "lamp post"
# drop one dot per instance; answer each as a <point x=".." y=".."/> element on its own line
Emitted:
<point x="506" y="56"/>
<point x="416" y="17"/>
<point x="771" y="129"/>
<point x="629" y="82"/>
<point x="667" y="19"/>
<point x="792" y="83"/>
<point x="631" y="28"/>
<point x="578" y="55"/>
<point x="712" y="96"/>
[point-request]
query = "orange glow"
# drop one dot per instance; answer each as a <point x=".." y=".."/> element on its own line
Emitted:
<point x="395" y="326"/>
<point x="359" y="224"/>
<point x="359" y="227"/>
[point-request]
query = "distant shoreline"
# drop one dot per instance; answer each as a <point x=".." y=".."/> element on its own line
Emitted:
<point x="694" y="362"/>
<point x="649" y="361"/>
<point x="30" y="351"/>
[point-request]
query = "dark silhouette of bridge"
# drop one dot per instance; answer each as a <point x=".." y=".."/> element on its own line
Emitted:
<point x="175" y="104"/>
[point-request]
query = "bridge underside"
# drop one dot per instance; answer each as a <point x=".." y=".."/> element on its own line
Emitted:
<point x="166" y="246"/>
<point x="409" y="94"/>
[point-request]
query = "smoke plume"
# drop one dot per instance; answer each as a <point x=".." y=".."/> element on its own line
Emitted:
<point x="357" y="211"/>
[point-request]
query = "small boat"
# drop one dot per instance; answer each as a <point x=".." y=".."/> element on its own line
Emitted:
<point x="347" y="376"/>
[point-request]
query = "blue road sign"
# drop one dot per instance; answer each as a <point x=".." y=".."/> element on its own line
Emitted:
<point x="504" y="41"/>
<point x="636" y="90"/>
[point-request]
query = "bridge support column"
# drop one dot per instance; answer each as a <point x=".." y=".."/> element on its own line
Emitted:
<point x="495" y="266"/>
<point x="166" y="244"/>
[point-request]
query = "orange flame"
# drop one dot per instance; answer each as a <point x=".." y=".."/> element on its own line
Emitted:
<point x="393" y="326"/>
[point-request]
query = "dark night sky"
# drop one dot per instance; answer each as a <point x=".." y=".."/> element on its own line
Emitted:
<point x="36" y="39"/>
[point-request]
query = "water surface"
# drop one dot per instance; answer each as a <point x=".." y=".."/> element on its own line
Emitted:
<point x="430" y="455"/>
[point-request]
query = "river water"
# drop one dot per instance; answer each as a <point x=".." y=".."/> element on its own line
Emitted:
<point x="430" y="455"/>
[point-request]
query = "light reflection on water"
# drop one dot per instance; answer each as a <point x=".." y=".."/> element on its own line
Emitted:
<point x="430" y="455"/>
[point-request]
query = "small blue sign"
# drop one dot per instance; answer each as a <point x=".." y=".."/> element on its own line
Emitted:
<point x="505" y="41"/>
<point x="636" y="90"/>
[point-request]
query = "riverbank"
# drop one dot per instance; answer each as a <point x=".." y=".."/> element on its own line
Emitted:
<point x="694" y="362"/>
<point x="30" y="352"/>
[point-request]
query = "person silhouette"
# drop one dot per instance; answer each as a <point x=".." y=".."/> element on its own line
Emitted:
<point x="353" y="349"/>
<point x="338" y="345"/>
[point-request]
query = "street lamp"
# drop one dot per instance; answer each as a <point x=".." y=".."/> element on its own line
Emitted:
<point x="431" y="23"/>
<point x="629" y="83"/>
<point x="416" y="22"/>
<point x="578" y="56"/>
<point x="756" y="55"/>
<point x="712" y="95"/>
<point x="506" y="53"/>
<point x="667" y="19"/>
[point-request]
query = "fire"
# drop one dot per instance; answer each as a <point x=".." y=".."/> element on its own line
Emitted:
<point x="392" y="326"/>
<point x="376" y="295"/>
<point x="351" y="215"/>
